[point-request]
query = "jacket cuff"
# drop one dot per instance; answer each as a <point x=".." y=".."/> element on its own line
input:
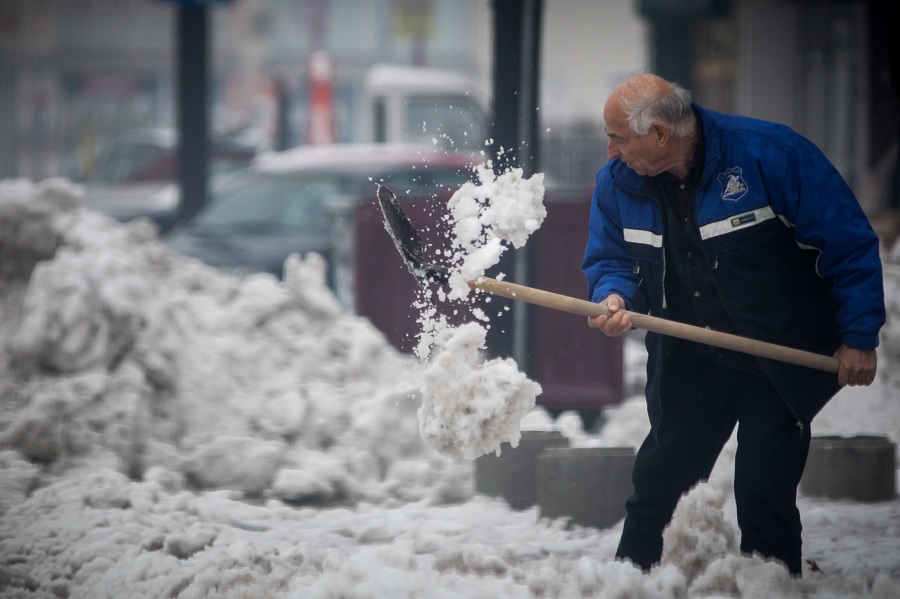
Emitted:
<point x="861" y="341"/>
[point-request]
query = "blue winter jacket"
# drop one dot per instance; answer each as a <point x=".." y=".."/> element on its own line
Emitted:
<point x="791" y="252"/>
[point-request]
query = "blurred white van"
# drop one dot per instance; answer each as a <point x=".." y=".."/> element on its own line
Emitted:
<point x="424" y="105"/>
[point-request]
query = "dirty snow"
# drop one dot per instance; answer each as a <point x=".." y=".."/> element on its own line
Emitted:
<point x="169" y="431"/>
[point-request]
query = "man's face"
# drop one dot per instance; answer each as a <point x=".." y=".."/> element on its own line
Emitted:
<point x="641" y="153"/>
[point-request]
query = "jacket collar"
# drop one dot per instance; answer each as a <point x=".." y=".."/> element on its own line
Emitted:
<point x="711" y="140"/>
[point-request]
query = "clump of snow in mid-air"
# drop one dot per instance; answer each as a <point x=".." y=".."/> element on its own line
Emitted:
<point x="471" y="406"/>
<point x="503" y="208"/>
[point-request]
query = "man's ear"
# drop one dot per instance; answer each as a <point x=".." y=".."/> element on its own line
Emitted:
<point x="661" y="132"/>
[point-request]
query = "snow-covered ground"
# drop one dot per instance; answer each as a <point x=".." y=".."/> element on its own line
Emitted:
<point x="168" y="431"/>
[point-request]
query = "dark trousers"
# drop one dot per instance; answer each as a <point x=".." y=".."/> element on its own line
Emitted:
<point x="702" y="401"/>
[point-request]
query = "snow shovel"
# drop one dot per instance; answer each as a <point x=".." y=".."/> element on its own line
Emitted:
<point x="409" y="244"/>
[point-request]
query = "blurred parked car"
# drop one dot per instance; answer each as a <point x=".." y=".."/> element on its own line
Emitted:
<point x="135" y="174"/>
<point x="301" y="200"/>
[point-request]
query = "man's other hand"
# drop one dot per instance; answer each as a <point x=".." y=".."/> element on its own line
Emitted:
<point x="857" y="366"/>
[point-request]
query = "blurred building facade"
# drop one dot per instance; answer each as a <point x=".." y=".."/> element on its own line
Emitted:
<point x="827" y="68"/>
<point x="74" y="72"/>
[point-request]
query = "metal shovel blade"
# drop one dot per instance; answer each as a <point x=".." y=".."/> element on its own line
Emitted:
<point x="407" y="240"/>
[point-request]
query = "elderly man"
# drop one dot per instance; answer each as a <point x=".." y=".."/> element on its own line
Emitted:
<point x="742" y="226"/>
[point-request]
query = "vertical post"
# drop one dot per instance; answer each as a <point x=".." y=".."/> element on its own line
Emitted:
<point x="507" y="62"/>
<point x="516" y="142"/>
<point x="529" y="124"/>
<point x="672" y="52"/>
<point x="193" y="120"/>
<point x="283" y="137"/>
<point x="516" y="78"/>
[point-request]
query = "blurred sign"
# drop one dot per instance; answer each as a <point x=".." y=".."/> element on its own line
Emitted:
<point x="413" y="19"/>
<point x="682" y="8"/>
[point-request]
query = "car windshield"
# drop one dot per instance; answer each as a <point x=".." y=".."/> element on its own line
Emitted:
<point x="132" y="162"/>
<point x="254" y="201"/>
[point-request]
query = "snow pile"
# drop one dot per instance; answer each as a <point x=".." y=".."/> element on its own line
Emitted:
<point x="168" y="431"/>
<point x="103" y="536"/>
<point x="117" y="349"/>
<point x="698" y="533"/>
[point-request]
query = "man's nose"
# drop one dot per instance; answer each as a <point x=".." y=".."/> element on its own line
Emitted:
<point x="612" y="152"/>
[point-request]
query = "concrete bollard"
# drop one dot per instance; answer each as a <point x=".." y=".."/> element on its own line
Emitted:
<point x="861" y="468"/>
<point x="587" y="485"/>
<point x="511" y="475"/>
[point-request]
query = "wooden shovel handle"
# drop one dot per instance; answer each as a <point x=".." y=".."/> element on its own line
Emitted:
<point x="671" y="328"/>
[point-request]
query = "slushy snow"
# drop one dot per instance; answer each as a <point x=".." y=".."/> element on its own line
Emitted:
<point x="170" y="431"/>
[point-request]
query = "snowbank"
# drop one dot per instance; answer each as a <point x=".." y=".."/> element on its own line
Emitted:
<point x="118" y="349"/>
<point x="169" y="431"/>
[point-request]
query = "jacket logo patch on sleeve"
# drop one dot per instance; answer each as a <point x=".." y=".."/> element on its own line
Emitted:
<point x="733" y="185"/>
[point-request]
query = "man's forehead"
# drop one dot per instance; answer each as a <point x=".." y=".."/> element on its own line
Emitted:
<point x="615" y="123"/>
<point x="613" y="109"/>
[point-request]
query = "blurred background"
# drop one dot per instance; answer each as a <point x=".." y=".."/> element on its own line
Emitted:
<point x="77" y="73"/>
<point x="167" y="109"/>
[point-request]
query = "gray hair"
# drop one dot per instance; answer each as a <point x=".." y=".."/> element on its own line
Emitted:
<point x="672" y="107"/>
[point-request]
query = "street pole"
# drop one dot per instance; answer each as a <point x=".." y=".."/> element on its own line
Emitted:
<point x="516" y="143"/>
<point x="193" y="120"/>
